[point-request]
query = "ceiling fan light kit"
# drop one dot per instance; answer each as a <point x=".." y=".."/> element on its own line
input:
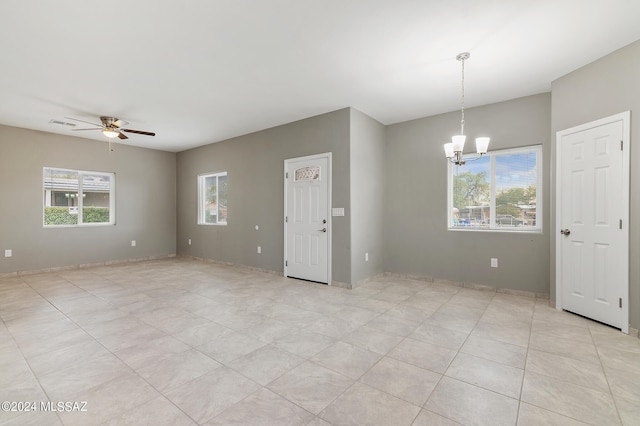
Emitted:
<point x="110" y="132"/>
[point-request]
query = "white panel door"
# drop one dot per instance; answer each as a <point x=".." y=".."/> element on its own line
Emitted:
<point x="307" y="227"/>
<point x="593" y="236"/>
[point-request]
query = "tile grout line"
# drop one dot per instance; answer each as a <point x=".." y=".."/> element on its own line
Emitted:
<point x="472" y="384"/>
<point x="100" y="343"/>
<point x="526" y="359"/>
<point x="606" y="377"/>
<point x="564" y="381"/>
<point x="24" y="357"/>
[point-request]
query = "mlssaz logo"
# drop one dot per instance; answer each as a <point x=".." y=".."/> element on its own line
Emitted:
<point x="63" y="406"/>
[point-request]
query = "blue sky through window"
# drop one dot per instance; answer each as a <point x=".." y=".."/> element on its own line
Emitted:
<point x="516" y="171"/>
<point x="512" y="170"/>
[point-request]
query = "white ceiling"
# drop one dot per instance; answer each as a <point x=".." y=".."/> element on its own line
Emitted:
<point x="202" y="71"/>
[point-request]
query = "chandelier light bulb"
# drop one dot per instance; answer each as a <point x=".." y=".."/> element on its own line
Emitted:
<point x="482" y="145"/>
<point x="448" y="150"/>
<point x="458" y="143"/>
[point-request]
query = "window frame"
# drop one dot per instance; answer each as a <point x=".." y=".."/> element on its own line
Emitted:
<point x="201" y="185"/>
<point x="537" y="229"/>
<point x="80" y="192"/>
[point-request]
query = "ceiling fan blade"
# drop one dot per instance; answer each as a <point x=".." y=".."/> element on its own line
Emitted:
<point x="122" y="136"/>
<point x="82" y="121"/>
<point x="93" y="128"/>
<point x="140" y="132"/>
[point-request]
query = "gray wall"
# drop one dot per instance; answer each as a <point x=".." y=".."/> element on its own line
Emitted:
<point x="367" y="195"/>
<point x="156" y="191"/>
<point x="608" y="86"/>
<point x="145" y="202"/>
<point x="255" y="166"/>
<point x="416" y="238"/>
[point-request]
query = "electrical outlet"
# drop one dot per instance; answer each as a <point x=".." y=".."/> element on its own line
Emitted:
<point x="8" y="253"/>
<point x="133" y="243"/>
<point x="259" y="249"/>
<point x="189" y="241"/>
<point x="366" y="257"/>
<point x="494" y="262"/>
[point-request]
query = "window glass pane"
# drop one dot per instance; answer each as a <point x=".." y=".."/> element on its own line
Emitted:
<point x="516" y="181"/>
<point x="210" y="199"/>
<point x="74" y="197"/>
<point x="60" y="197"/>
<point x="222" y="198"/>
<point x="307" y="173"/>
<point x="95" y="198"/>
<point x="511" y="177"/>
<point x="471" y="194"/>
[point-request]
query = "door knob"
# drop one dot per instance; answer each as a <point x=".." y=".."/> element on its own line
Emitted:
<point x="322" y="230"/>
<point x="565" y="232"/>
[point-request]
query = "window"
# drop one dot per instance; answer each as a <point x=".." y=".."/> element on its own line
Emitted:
<point x="73" y="197"/>
<point x="500" y="191"/>
<point x="212" y="199"/>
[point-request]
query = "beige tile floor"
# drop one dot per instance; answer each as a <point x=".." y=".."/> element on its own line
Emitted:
<point x="183" y="342"/>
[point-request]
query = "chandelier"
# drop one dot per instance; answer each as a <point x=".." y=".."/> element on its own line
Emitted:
<point x="453" y="150"/>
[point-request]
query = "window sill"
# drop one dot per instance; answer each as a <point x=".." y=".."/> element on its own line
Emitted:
<point x="83" y="225"/>
<point x="498" y="230"/>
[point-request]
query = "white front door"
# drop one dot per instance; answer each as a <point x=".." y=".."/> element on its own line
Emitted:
<point x="307" y="224"/>
<point x="592" y="249"/>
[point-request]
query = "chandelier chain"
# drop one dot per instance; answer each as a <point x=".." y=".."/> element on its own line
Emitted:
<point x="462" y="99"/>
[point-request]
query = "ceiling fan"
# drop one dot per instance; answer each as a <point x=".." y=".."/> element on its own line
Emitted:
<point x="111" y="127"/>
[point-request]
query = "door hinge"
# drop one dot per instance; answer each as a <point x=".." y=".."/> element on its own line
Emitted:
<point x="620" y="223"/>
<point x="286" y="263"/>
<point x="620" y="302"/>
<point x="286" y="219"/>
<point x="621" y="145"/>
<point x="286" y="175"/>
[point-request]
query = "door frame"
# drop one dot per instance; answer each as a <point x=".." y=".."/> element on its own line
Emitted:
<point x="625" y="117"/>
<point x="329" y="174"/>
